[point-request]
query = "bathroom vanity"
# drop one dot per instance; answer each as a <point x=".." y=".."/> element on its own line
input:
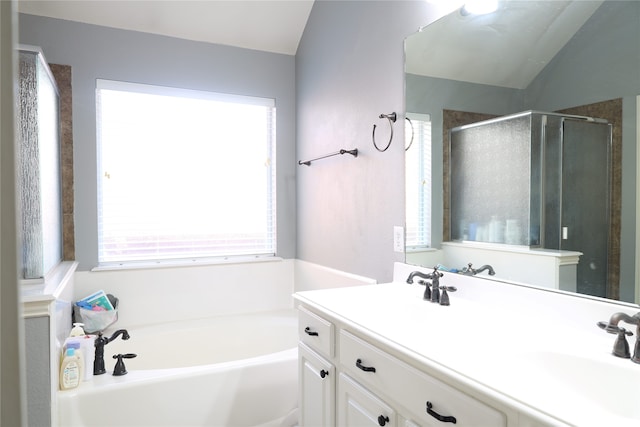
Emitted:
<point x="499" y="355"/>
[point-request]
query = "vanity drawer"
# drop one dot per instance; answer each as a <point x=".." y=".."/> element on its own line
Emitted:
<point x="412" y="388"/>
<point x="316" y="332"/>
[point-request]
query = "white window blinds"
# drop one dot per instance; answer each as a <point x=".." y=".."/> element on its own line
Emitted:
<point x="418" y="182"/>
<point x="183" y="174"/>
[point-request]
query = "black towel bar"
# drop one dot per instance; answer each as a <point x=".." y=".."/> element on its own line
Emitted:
<point x="353" y="152"/>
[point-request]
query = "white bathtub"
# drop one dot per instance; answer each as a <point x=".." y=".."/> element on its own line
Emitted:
<point x="231" y="371"/>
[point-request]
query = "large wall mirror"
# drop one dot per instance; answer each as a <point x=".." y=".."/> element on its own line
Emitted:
<point x="563" y="57"/>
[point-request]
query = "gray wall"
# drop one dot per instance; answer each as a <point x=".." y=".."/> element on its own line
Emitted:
<point x="98" y="52"/>
<point x="13" y="408"/>
<point x="39" y="375"/>
<point x="349" y="70"/>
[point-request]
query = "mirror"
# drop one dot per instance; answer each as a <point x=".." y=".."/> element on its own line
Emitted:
<point x="575" y="57"/>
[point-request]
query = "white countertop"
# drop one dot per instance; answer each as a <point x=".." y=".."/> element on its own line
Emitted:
<point x="530" y="348"/>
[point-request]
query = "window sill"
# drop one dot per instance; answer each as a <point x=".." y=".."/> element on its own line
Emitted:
<point x="173" y="263"/>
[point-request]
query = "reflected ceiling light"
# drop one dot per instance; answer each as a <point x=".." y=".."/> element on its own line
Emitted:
<point x="446" y="6"/>
<point x="479" y="7"/>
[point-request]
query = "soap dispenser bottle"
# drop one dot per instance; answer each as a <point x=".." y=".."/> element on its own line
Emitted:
<point x="70" y="370"/>
<point x="77" y="330"/>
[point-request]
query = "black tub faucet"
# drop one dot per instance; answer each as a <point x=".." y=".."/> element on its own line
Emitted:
<point x="98" y="361"/>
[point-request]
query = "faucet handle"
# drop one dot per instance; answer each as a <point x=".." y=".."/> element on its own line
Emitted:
<point x="444" y="297"/>
<point x="120" y="369"/>
<point x="620" y="346"/>
<point x="612" y="329"/>
<point x="427" y="289"/>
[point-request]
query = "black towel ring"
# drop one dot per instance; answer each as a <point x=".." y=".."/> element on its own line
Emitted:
<point x="413" y="132"/>
<point x="392" y="119"/>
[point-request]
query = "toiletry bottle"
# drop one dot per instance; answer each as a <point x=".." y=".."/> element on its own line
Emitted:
<point x="86" y="350"/>
<point x="77" y="352"/>
<point x="77" y="330"/>
<point x="70" y="371"/>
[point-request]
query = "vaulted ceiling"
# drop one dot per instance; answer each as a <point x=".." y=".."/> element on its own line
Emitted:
<point x="267" y="25"/>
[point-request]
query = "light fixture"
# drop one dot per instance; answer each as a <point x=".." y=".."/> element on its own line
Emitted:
<point x="479" y="7"/>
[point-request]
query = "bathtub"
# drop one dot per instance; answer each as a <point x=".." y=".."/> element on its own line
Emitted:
<point x="224" y="371"/>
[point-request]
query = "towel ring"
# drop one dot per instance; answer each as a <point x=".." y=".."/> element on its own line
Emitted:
<point x="413" y="132"/>
<point x="392" y="119"/>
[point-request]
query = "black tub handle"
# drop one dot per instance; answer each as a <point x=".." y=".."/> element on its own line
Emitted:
<point x="323" y="373"/>
<point x="437" y="416"/>
<point x="364" y="368"/>
<point x="310" y="332"/>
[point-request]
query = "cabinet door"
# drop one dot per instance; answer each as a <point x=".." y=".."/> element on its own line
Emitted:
<point x="357" y="407"/>
<point x="316" y="389"/>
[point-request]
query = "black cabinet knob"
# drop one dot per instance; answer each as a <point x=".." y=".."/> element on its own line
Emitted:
<point x="382" y="420"/>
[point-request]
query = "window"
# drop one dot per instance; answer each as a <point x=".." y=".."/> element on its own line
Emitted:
<point x="418" y="181"/>
<point x="183" y="174"/>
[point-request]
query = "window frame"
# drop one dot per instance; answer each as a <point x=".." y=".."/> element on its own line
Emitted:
<point x="270" y="239"/>
<point x="423" y="210"/>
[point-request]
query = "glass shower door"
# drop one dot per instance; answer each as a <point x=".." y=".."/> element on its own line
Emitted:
<point x="586" y="160"/>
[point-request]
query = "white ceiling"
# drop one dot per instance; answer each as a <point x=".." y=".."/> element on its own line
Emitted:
<point x="507" y="48"/>
<point x="453" y="47"/>
<point x="267" y="25"/>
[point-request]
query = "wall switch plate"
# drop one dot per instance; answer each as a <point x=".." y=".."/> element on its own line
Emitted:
<point x="398" y="239"/>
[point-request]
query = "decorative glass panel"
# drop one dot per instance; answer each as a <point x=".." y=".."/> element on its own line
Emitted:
<point x="39" y="167"/>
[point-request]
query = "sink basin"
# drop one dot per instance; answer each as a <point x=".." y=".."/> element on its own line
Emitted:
<point x="603" y="386"/>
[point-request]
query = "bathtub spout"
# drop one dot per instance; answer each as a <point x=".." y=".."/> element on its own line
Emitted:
<point x="123" y="332"/>
<point x="98" y="361"/>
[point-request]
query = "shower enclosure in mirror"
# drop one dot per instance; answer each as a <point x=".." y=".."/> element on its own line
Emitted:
<point x="535" y="179"/>
<point x="39" y="165"/>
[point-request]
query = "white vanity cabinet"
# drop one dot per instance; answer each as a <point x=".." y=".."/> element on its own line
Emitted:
<point x="357" y="406"/>
<point x="431" y="401"/>
<point x="316" y="385"/>
<point x="352" y="380"/>
<point x="316" y="373"/>
<point x="494" y="357"/>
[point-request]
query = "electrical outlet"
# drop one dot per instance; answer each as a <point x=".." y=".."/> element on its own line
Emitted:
<point x="398" y="239"/>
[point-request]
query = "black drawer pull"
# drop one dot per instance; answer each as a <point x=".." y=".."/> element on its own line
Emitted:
<point x="323" y="373"/>
<point x="382" y="420"/>
<point x="442" y="418"/>
<point x="310" y="332"/>
<point x="365" y="368"/>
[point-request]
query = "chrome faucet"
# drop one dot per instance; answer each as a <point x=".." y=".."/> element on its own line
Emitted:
<point x="470" y="271"/>
<point x="419" y="274"/>
<point x="98" y="361"/>
<point x="432" y="289"/>
<point x="621" y="346"/>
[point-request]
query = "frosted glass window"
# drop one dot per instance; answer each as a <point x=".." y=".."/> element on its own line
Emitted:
<point x="418" y="181"/>
<point x="39" y="167"/>
<point x="184" y="174"/>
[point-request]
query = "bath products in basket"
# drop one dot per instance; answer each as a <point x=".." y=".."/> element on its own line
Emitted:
<point x="97" y="312"/>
